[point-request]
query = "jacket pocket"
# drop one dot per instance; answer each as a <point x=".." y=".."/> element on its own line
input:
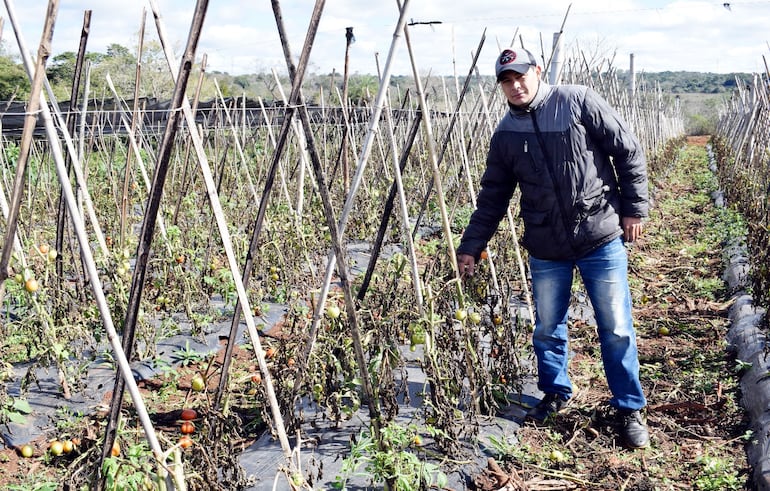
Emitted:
<point x="533" y="217"/>
<point x="538" y="232"/>
<point x="588" y="205"/>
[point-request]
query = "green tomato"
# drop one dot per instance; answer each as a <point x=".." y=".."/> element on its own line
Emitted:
<point x="56" y="448"/>
<point x="556" y="456"/>
<point x="197" y="383"/>
<point x="417" y="337"/>
<point x="333" y="312"/>
<point x="27" y="451"/>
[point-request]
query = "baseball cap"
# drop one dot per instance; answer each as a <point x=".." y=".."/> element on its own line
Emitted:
<point x="516" y="59"/>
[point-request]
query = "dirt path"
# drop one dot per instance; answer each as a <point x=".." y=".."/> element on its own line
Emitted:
<point x="697" y="426"/>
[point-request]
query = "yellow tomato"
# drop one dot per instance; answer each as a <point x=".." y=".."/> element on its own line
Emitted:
<point x="31" y="285"/>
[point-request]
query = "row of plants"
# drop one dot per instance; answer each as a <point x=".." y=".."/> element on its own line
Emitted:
<point x="342" y="349"/>
<point x="742" y="147"/>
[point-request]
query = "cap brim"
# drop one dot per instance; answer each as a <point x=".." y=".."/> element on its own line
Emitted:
<point x="520" y="69"/>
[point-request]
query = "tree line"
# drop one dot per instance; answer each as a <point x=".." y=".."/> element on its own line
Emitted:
<point x="120" y="63"/>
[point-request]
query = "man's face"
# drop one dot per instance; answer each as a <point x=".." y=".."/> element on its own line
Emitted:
<point x="520" y="88"/>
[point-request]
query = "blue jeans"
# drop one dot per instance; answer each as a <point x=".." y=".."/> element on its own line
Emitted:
<point x="605" y="276"/>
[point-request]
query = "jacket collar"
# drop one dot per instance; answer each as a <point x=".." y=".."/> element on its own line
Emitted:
<point x="542" y="90"/>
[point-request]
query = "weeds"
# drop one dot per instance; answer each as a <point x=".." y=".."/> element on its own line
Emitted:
<point x="396" y="463"/>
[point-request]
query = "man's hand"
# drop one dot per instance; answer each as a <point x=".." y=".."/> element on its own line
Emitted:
<point x="632" y="228"/>
<point x="467" y="265"/>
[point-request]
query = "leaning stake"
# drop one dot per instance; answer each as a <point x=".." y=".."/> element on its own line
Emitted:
<point x="224" y="233"/>
<point x="148" y="225"/>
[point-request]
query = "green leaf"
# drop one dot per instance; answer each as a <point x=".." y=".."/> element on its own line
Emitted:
<point x="22" y="406"/>
<point x="17" y="418"/>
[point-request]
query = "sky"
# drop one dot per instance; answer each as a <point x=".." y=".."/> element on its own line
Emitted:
<point x="241" y="37"/>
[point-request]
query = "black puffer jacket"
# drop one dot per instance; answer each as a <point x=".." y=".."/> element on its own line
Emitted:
<point x="598" y="175"/>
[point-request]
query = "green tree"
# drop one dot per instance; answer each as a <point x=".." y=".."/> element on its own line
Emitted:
<point x="14" y="83"/>
<point x="362" y="89"/>
<point x="61" y="68"/>
<point x="119" y="64"/>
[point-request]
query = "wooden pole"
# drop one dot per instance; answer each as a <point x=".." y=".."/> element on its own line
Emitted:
<point x="127" y="174"/>
<point x="344" y="108"/>
<point x="188" y="177"/>
<point x="30" y="121"/>
<point x="61" y="217"/>
<point x="152" y="211"/>
<point x="360" y="167"/>
<point x="396" y="189"/>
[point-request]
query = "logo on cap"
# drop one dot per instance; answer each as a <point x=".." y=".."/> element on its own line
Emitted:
<point x="507" y="57"/>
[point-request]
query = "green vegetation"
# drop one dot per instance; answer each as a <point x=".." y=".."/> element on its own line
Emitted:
<point x="398" y="464"/>
<point x="690" y="82"/>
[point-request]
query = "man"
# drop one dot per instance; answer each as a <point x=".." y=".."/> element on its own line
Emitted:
<point x="583" y="181"/>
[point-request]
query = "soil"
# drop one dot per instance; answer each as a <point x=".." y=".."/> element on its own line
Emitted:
<point x="165" y="398"/>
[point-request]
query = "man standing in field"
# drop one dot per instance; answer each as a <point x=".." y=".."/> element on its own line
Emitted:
<point x="583" y="181"/>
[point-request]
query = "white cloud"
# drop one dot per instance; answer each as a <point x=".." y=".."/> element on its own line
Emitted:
<point x="240" y="36"/>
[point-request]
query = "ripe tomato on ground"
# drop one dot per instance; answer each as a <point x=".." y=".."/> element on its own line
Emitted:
<point x="188" y="427"/>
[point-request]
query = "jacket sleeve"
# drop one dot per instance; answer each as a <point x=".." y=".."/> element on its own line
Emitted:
<point x="612" y="134"/>
<point x="497" y="186"/>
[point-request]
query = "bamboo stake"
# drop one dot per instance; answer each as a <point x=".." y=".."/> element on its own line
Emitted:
<point x="186" y="183"/>
<point x="346" y="139"/>
<point x="361" y="166"/>
<point x="281" y="173"/>
<point x="84" y="195"/>
<point x="61" y="217"/>
<point x="434" y="161"/>
<point x="237" y="142"/>
<point x="131" y="129"/>
<point x="397" y="189"/>
<point x="449" y="129"/>
<point x="303" y="156"/>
